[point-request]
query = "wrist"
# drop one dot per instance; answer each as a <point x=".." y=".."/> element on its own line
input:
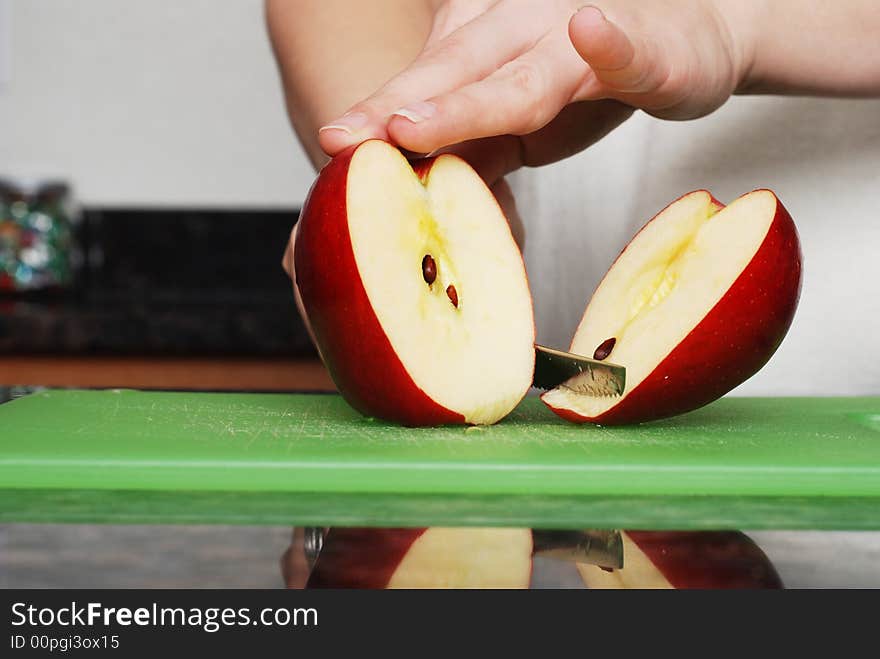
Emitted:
<point x="743" y="20"/>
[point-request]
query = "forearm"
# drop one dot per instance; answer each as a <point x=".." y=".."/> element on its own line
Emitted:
<point x="811" y="47"/>
<point x="333" y="53"/>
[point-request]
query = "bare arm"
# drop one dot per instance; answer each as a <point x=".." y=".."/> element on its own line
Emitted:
<point x="810" y="46"/>
<point x="514" y="66"/>
<point x="333" y="53"/>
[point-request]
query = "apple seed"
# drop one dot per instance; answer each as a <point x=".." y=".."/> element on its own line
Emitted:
<point x="604" y="349"/>
<point x="429" y="269"/>
<point x="453" y="295"/>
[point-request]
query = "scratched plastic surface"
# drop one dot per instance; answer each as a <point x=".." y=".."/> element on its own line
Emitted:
<point x="786" y="463"/>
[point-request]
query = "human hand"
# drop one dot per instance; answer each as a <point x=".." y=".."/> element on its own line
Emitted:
<point x="529" y="76"/>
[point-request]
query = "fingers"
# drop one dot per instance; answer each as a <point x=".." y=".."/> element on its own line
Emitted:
<point x="490" y="77"/>
<point x="468" y="54"/>
<point x="288" y="262"/>
<point x="287" y="259"/>
<point x="491" y="157"/>
<point x="574" y="129"/>
<point x="350" y="128"/>
<point x="293" y="563"/>
<point x="450" y="16"/>
<point x="520" y="97"/>
<point x="621" y="63"/>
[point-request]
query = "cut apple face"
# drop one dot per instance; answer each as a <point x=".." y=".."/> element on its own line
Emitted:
<point x="695" y="304"/>
<point x="686" y="560"/>
<point x="414" y="289"/>
<point x="435" y="557"/>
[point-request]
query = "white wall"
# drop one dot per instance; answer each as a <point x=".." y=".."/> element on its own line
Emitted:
<point x="163" y="102"/>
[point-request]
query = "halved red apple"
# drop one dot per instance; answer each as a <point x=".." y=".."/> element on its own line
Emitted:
<point x="686" y="559"/>
<point x="695" y="304"/>
<point x="434" y="557"/>
<point x="414" y="289"/>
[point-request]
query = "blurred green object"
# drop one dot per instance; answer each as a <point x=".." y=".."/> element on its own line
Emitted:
<point x="37" y="248"/>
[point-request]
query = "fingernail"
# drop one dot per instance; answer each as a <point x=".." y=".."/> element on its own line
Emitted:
<point x="592" y="12"/>
<point x="351" y="122"/>
<point x="416" y="112"/>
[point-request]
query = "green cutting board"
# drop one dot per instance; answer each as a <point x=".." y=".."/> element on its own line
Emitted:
<point x="130" y="456"/>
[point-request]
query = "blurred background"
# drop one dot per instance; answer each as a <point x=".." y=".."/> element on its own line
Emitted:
<point x="148" y="104"/>
<point x="148" y="182"/>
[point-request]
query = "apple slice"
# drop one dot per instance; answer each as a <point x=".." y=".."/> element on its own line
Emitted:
<point x="686" y="559"/>
<point x="434" y="557"/>
<point x="414" y="289"/>
<point x="695" y="304"/>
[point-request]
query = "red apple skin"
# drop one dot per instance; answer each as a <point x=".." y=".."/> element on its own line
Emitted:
<point x="707" y="559"/>
<point x="363" y="558"/>
<point x="732" y="342"/>
<point x="355" y="350"/>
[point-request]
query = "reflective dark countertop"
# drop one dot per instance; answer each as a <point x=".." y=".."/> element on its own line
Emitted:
<point x="170" y="282"/>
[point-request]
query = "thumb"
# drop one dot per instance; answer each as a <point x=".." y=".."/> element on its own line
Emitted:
<point x="621" y="62"/>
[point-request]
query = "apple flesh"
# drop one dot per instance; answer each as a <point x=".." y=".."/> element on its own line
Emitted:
<point x="414" y="289"/>
<point x="434" y="557"/>
<point x="695" y="304"/>
<point x="686" y="559"/>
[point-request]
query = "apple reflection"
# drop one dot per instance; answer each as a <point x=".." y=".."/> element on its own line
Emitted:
<point x="440" y="557"/>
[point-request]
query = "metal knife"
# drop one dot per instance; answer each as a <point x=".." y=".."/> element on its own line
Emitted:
<point x="594" y="546"/>
<point x="590" y="377"/>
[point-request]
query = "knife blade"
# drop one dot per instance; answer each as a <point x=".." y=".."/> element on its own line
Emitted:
<point x="595" y="546"/>
<point x="590" y="377"/>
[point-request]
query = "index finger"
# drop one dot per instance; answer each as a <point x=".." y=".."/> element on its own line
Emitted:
<point x="468" y="54"/>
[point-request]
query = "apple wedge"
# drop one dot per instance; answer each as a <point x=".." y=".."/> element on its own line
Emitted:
<point x="414" y="289"/>
<point x="434" y="557"/>
<point x="695" y="304"/>
<point x="686" y="559"/>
